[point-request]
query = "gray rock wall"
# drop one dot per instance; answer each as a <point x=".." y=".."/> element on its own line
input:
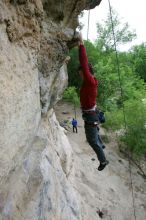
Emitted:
<point x="36" y="161"/>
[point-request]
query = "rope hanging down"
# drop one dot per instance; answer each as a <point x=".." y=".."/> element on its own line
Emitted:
<point x="118" y="65"/>
<point x="88" y="25"/>
<point x="75" y="112"/>
<point x="122" y="96"/>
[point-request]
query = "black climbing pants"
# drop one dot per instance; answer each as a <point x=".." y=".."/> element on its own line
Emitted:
<point x="75" y="129"/>
<point x="92" y="134"/>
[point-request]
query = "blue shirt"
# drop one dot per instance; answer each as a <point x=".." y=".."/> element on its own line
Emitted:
<point x="74" y="122"/>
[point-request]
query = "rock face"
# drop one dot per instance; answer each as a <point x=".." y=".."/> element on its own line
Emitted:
<point x="36" y="161"/>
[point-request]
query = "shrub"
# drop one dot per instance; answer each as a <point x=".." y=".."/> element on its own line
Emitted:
<point x="135" y="137"/>
<point x="114" y="119"/>
<point x="70" y="95"/>
<point x="135" y="131"/>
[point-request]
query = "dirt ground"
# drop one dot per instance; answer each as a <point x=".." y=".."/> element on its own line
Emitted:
<point x="107" y="194"/>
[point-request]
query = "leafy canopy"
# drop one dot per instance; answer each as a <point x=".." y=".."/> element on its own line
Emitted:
<point x="122" y="32"/>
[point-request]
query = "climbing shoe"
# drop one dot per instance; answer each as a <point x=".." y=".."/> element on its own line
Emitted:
<point x="103" y="165"/>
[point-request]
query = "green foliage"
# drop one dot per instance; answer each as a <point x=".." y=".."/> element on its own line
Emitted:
<point x="114" y="87"/>
<point x="114" y="119"/>
<point x="74" y="78"/>
<point x="135" y="137"/>
<point x="138" y="60"/>
<point x="122" y="33"/>
<point x="70" y="95"/>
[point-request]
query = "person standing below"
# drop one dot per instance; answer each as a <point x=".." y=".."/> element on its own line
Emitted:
<point x="88" y="93"/>
<point x="74" y="124"/>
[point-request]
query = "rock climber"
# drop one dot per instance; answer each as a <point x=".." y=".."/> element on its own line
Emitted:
<point x="88" y="93"/>
<point x="74" y="124"/>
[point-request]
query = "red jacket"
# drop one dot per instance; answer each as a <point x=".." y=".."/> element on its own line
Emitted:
<point x="88" y="90"/>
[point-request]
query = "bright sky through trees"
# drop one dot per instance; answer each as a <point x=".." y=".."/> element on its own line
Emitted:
<point x="133" y="12"/>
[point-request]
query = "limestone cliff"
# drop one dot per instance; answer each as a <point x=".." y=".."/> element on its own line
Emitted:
<point x="36" y="161"/>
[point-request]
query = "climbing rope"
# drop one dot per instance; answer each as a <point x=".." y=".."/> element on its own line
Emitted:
<point x="75" y="112"/>
<point x="61" y="15"/>
<point x="88" y="25"/>
<point x="122" y="96"/>
<point x="118" y="65"/>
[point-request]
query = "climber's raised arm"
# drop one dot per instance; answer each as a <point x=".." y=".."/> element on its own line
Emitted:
<point x="84" y="66"/>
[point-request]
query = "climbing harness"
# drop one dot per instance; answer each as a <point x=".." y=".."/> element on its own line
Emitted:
<point x="118" y="70"/>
